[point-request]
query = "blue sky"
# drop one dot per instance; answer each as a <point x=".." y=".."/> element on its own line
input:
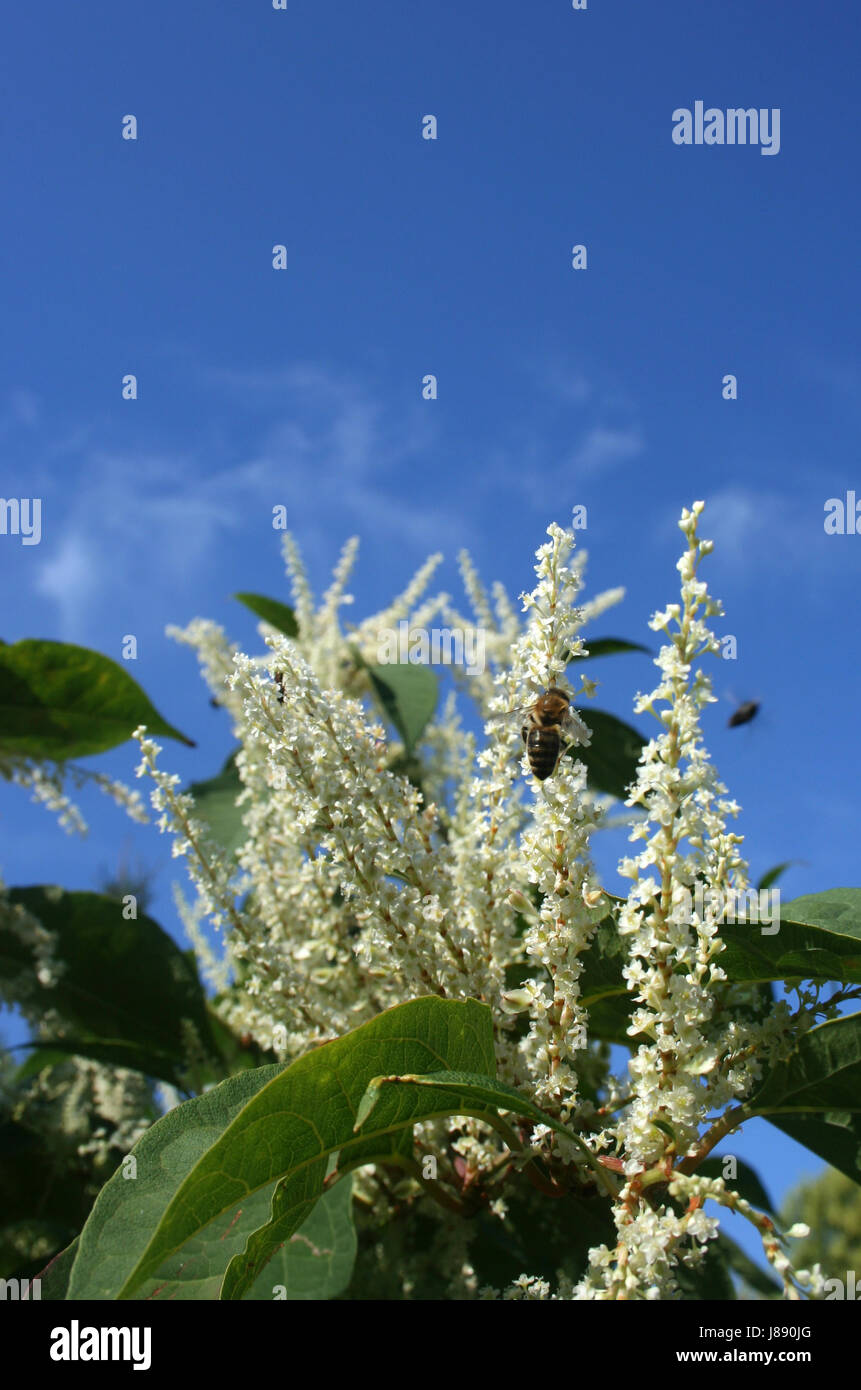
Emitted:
<point x="452" y="257"/>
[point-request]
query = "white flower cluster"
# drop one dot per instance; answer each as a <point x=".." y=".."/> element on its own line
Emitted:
<point x="365" y="890"/>
<point x="365" y="878"/>
<point x="553" y="853"/>
<point x="45" y="781"/>
<point x="692" y="1061"/>
<point x="116" y="1099"/>
<point x="673" y="955"/>
<point x="44" y="967"/>
<point x="645" y="1261"/>
<point x="93" y="1109"/>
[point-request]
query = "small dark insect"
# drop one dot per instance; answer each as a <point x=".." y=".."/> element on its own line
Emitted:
<point x="743" y="714"/>
<point x="279" y="681"/>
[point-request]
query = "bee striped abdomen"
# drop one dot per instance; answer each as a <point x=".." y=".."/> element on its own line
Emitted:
<point x="542" y="750"/>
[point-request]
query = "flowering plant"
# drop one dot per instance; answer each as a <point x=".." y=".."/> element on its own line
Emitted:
<point x="441" y="1058"/>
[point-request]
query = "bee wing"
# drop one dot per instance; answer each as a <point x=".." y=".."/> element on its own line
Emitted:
<point x="575" y="729"/>
<point x="510" y="714"/>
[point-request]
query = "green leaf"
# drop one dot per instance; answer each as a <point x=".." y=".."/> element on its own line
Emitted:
<point x="113" y="1052"/>
<point x="126" y="988"/>
<point x="826" y="946"/>
<point x="276" y="614"/>
<point x="799" y="949"/>
<point x="59" y="701"/>
<point x="774" y="874"/>
<point x="538" y="1236"/>
<point x="317" y="1261"/>
<point x="613" y="755"/>
<point x="835" y="1137"/>
<point x="837" y="910"/>
<point x="709" y="1281"/>
<point x="128" y="1209"/>
<point x="823" y="1072"/>
<point x="196" y="1272"/>
<point x="821" y="941"/>
<point x="387" y="1112"/>
<point x="602" y="987"/>
<point x="236" y="1052"/>
<point x="747" y="1182"/>
<point x="407" y="696"/>
<point x="44" y="1055"/>
<point x="215" y="804"/>
<point x="290" y="1129"/>
<point x="406" y="1099"/>
<point x="54" y="1278"/>
<point x="608" y="646"/>
<point x="742" y="1265"/>
<point x="40" y="1182"/>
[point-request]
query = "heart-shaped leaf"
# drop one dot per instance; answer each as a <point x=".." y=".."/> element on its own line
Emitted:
<point x="59" y="701"/>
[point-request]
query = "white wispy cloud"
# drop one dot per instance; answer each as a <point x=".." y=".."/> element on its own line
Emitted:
<point x="155" y="522"/>
<point x="566" y="382"/>
<point x="603" y="448"/>
<point x="327" y="450"/>
<point x="71" y="580"/>
<point x="842" y="379"/>
<point x="746" y="522"/>
<point x="566" y="404"/>
<point x="19" y="409"/>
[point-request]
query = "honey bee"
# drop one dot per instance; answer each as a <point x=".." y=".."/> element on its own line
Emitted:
<point x="549" y="727"/>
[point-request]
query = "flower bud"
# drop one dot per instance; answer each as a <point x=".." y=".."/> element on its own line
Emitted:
<point x="514" y="1001"/>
